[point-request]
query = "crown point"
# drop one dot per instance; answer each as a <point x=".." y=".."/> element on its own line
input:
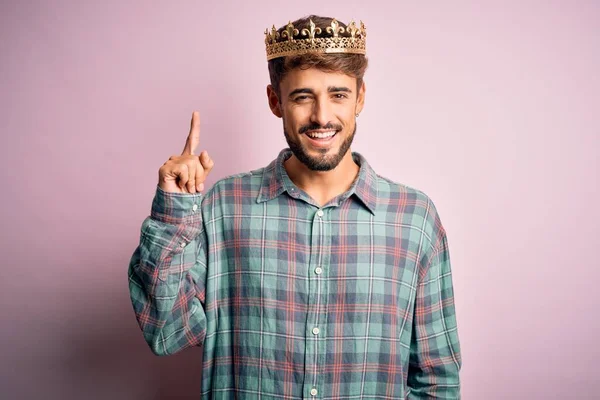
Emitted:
<point x="335" y="29"/>
<point x="352" y="30"/>
<point x="313" y="29"/>
<point x="290" y="32"/>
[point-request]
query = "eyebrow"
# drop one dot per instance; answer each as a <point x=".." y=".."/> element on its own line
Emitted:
<point x="330" y="89"/>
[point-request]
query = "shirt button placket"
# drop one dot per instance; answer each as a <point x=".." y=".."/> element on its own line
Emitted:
<point x="318" y="270"/>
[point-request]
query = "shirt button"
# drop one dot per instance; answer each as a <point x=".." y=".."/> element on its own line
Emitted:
<point x="320" y="213"/>
<point x="318" y="270"/>
<point x="316" y="331"/>
<point x="195" y="207"/>
<point x="313" y="392"/>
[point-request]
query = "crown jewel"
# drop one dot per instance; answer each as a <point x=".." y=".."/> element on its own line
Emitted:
<point x="335" y="39"/>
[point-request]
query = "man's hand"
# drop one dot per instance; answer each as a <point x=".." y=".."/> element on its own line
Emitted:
<point x="186" y="173"/>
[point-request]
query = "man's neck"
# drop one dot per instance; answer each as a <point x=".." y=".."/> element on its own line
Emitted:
<point x="323" y="186"/>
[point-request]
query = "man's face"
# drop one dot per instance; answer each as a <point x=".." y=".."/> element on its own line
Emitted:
<point x="319" y="115"/>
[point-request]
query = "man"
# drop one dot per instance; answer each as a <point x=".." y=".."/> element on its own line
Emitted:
<point x="312" y="277"/>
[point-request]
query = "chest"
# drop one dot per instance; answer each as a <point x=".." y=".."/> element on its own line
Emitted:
<point x="339" y="254"/>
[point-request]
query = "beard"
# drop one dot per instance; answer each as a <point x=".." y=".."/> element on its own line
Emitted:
<point x="322" y="162"/>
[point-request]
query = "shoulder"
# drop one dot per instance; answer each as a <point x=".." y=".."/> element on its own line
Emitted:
<point x="240" y="185"/>
<point x="247" y="180"/>
<point x="393" y="194"/>
<point x="412" y="205"/>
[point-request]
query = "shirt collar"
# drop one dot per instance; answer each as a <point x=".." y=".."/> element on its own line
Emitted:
<point x="276" y="181"/>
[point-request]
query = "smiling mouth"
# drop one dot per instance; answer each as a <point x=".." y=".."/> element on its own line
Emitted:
<point x="321" y="135"/>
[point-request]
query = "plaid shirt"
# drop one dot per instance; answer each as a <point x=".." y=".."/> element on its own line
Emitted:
<point x="291" y="300"/>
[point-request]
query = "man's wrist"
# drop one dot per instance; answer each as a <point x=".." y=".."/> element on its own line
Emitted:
<point x="176" y="208"/>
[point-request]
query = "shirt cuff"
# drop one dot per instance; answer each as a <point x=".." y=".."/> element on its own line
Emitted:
<point x="176" y="208"/>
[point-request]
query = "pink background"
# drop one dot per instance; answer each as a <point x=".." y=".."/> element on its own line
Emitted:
<point x="491" y="109"/>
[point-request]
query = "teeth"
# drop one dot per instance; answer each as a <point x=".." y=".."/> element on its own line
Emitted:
<point x="321" y="135"/>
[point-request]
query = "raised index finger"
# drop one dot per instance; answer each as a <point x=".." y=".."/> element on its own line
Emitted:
<point x="193" y="138"/>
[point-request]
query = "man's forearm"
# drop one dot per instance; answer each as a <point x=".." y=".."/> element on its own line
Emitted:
<point x="166" y="298"/>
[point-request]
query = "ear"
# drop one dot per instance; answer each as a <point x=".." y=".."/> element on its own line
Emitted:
<point x="274" y="104"/>
<point x="360" y="99"/>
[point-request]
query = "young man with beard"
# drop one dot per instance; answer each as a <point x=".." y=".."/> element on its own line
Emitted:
<point x="312" y="277"/>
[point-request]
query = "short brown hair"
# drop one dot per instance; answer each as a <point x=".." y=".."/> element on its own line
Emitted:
<point x="354" y="65"/>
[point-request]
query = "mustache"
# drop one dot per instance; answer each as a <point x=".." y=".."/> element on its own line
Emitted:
<point x="314" y="127"/>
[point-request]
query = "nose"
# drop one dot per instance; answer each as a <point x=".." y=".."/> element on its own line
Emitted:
<point x="321" y="113"/>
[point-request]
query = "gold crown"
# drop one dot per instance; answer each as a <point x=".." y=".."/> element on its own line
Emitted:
<point x="291" y="43"/>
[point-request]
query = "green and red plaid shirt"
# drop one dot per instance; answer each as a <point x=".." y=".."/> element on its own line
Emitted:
<point x="351" y="300"/>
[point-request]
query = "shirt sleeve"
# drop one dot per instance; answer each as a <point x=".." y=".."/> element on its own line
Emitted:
<point x="435" y="358"/>
<point x="167" y="273"/>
